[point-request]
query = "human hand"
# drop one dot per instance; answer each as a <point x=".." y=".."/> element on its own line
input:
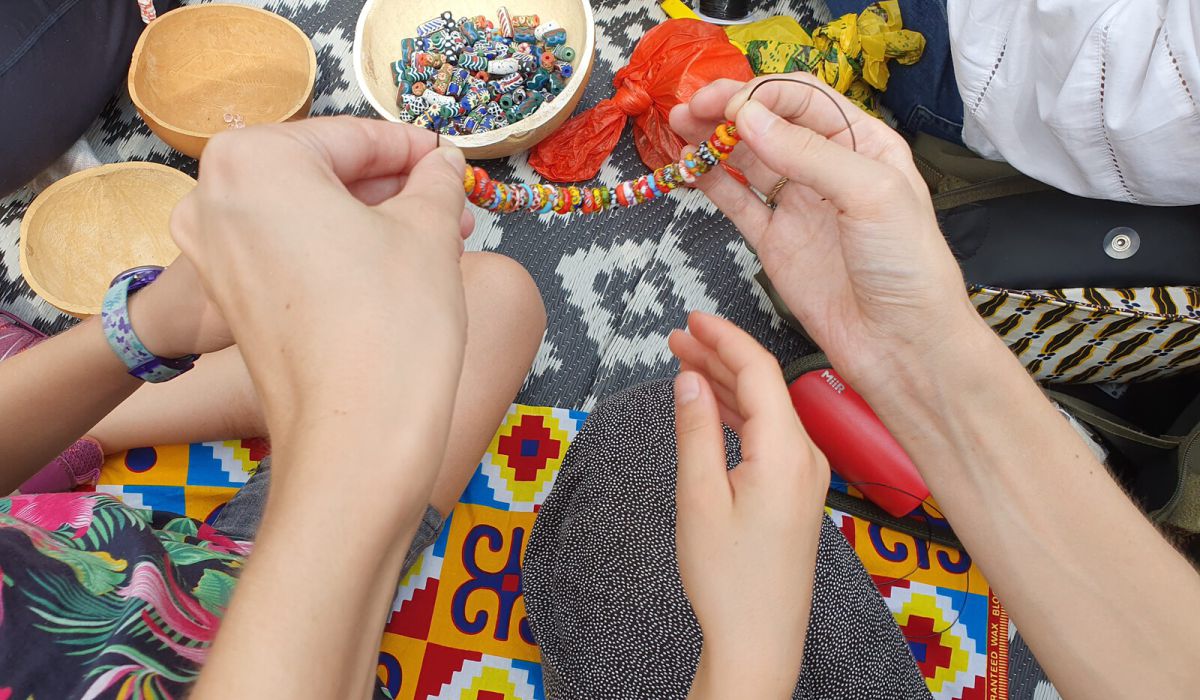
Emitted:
<point x="174" y="317"/>
<point x="853" y="246"/>
<point x="746" y="538"/>
<point x="331" y="247"/>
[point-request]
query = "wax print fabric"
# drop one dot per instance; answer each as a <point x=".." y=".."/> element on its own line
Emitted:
<point x="459" y="628"/>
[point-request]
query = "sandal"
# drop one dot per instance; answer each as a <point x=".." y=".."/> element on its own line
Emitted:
<point x="16" y="335"/>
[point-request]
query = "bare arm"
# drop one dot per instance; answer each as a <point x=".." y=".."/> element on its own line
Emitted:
<point x="53" y="393"/>
<point x="854" y="249"/>
<point x="1108" y="607"/>
<point x="358" y="412"/>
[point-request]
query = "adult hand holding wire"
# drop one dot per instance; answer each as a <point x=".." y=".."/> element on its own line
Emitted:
<point x="851" y="242"/>
<point x="854" y="249"/>
<point x="331" y="247"/>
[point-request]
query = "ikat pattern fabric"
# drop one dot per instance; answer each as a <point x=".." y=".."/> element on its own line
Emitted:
<point x="1097" y="335"/>
<point x="458" y="627"/>
<point x="614" y="286"/>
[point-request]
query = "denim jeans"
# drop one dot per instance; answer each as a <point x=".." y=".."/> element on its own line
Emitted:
<point x="242" y="515"/>
<point x="60" y="62"/>
<point x="924" y="96"/>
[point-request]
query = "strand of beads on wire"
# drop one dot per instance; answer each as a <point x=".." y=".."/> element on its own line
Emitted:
<point x="539" y="198"/>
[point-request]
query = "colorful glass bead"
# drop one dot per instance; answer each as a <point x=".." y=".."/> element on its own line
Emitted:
<point x="503" y="66"/>
<point x="472" y="62"/>
<point x="504" y="22"/>
<point x="436" y="24"/>
<point x="468" y="59"/>
<point x="541" y="199"/>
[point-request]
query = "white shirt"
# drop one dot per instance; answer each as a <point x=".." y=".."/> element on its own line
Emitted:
<point x="1095" y="97"/>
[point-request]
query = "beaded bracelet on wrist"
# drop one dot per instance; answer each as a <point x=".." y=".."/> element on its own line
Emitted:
<point x="539" y="198"/>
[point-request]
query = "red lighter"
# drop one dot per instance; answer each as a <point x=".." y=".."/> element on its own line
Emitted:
<point x="859" y="448"/>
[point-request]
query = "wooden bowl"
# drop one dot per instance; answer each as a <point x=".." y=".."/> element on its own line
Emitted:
<point x="86" y="228"/>
<point x="383" y="24"/>
<point x="195" y="64"/>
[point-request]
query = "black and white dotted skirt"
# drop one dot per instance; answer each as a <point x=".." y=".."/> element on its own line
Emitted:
<point x="602" y="587"/>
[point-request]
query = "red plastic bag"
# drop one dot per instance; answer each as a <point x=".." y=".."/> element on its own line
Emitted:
<point x="669" y="64"/>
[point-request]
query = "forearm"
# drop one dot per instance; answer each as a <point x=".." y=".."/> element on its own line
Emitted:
<point x="1096" y="592"/>
<point x="324" y="570"/>
<point x="54" y="393"/>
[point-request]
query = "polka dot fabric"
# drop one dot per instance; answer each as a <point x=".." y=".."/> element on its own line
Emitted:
<point x="602" y="587"/>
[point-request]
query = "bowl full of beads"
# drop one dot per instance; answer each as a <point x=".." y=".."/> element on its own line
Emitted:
<point x="493" y="80"/>
<point x="201" y="69"/>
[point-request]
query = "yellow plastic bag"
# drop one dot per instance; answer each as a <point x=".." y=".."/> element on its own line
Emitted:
<point x="850" y="54"/>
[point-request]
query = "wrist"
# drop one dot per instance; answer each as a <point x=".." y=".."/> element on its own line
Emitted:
<point x="949" y="338"/>
<point x="920" y="394"/>
<point x="152" y="322"/>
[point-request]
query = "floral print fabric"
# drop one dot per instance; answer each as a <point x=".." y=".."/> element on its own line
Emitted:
<point x="98" y="600"/>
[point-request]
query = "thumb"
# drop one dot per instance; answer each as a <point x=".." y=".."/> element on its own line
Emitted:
<point x="846" y="178"/>
<point x="702" y="482"/>
<point x="434" y="191"/>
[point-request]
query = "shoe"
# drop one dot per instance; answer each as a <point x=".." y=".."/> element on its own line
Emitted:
<point x="81" y="462"/>
<point x="16" y="336"/>
<point x="77" y="466"/>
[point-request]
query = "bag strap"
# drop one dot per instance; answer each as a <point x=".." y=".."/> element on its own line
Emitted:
<point x="1110" y="424"/>
<point x="957" y="176"/>
<point x="862" y="508"/>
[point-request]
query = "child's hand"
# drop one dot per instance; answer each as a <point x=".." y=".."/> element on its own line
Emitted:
<point x="173" y="316"/>
<point x="746" y="538"/>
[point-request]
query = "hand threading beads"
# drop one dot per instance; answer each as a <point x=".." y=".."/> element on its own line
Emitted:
<point x="505" y="197"/>
<point x="539" y="198"/>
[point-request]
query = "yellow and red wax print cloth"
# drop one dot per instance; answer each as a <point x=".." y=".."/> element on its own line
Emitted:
<point x="457" y="628"/>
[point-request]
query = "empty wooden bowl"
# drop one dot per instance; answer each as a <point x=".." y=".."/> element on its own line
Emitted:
<point x="383" y="24"/>
<point x="197" y="66"/>
<point x="86" y="228"/>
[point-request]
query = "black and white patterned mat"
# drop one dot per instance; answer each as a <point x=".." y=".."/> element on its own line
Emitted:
<point x="614" y="285"/>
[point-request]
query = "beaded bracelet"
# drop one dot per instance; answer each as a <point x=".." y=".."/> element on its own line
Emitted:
<point x="539" y="198"/>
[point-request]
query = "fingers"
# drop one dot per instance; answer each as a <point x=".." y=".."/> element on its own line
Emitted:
<point x="850" y="180"/>
<point x="771" y="425"/>
<point x="696" y="120"/>
<point x="466" y="224"/>
<point x="707" y="106"/>
<point x="736" y="201"/>
<point x="375" y="190"/>
<point x="434" y="191"/>
<point x="694" y="356"/>
<point x="361" y="149"/>
<point x="702" y="483"/>
<point x="829" y="114"/>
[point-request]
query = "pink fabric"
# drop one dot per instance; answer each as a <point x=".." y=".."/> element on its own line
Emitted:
<point x="79" y="464"/>
<point x="16" y="336"/>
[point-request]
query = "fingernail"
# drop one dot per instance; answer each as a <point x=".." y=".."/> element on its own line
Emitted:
<point x="453" y="156"/>
<point x="687" y="387"/>
<point x="754" y="119"/>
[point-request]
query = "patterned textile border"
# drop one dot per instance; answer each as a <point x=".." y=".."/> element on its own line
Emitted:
<point x="1096" y="335"/>
<point x="457" y="627"/>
